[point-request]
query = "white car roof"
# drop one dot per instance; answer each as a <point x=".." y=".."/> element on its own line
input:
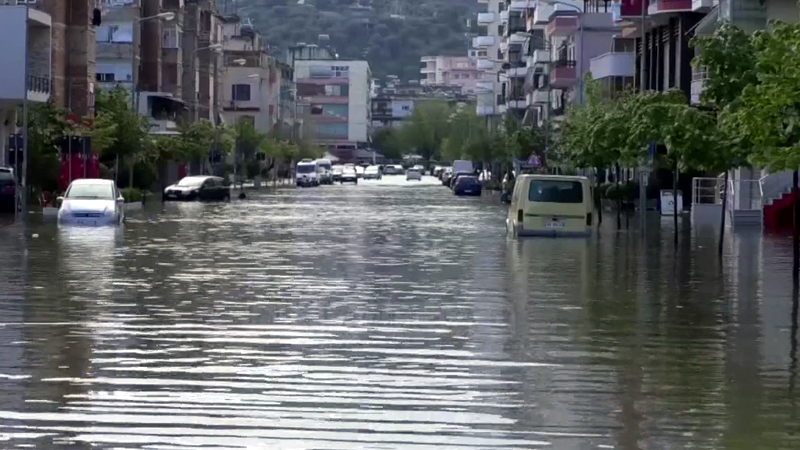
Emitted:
<point x="92" y="181"/>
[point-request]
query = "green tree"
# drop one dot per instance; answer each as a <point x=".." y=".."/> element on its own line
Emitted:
<point x="47" y="125"/>
<point x="426" y="128"/>
<point x="388" y="142"/>
<point x="195" y="140"/>
<point x="127" y="140"/>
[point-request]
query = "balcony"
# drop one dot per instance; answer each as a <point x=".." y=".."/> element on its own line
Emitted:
<point x="517" y="72"/>
<point x="562" y="25"/>
<point x="521" y="5"/>
<point x="627" y="10"/>
<point x="484" y="41"/>
<point x="428" y="69"/>
<point x="539" y="97"/>
<point x="485" y="110"/>
<point x="517" y="39"/>
<point x="612" y="64"/>
<point x="504" y="46"/>
<point x="427" y="59"/>
<point x="563" y="74"/>
<point x="485" y="86"/>
<point x="540" y="57"/>
<point x="541" y="15"/>
<point x="669" y="6"/>
<point x="25" y="56"/>
<point x="486" y="18"/>
<point x="516" y="25"/>
<point x="518" y="103"/>
<point x="162" y="112"/>
<point x="484" y="64"/>
<point x="115" y="50"/>
<point x="702" y="5"/>
<point x="504" y="16"/>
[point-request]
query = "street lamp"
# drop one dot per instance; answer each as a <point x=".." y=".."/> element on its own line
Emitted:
<point x="165" y="16"/>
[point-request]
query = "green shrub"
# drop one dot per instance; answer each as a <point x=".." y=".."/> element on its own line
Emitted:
<point x="601" y="190"/>
<point x="132" y="195"/>
<point x="615" y="192"/>
<point x="631" y="191"/>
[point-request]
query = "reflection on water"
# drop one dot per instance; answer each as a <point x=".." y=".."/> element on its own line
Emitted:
<point x="389" y="315"/>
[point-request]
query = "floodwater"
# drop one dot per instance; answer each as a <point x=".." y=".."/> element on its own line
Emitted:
<point x="389" y="315"/>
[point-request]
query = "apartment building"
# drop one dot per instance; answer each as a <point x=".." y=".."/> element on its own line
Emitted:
<point x="490" y="99"/>
<point x="338" y="97"/>
<point x="255" y="85"/>
<point x="48" y="54"/>
<point x="459" y="71"/>
<point x="202" y="46"/>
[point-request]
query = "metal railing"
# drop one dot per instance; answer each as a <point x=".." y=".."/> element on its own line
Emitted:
<point x="38" y="83"/>
<point x="774" y="185"/>
<point x="707" y="190"/>
<point x="744" y="195"/>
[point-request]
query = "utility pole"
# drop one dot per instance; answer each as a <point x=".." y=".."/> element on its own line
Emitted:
<point x="643" y="174"/>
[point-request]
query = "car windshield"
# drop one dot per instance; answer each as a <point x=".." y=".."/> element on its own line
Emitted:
<point x="91" y="191"/>
<point x="555" y="191"/>
<point x="6" y="175"/>
<point x="467" y="181"/>
<point x="324" y="165"/>
<point x="306" y="168"/>
<point x="191" y="182"/>
<point x="349" y="169"/>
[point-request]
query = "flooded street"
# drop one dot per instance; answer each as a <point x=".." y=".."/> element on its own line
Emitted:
<point x="389" y="315"/>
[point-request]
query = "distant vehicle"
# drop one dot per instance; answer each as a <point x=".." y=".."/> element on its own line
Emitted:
<point x="413" y="174"/>
<point x="437" y="170"/>
<point x="8" y="189"/>
<point x="349" y="175"/>
<point x="360" y="172"/>
<point x="550" y="205"/>
<point x="198" y="188"/>
<point x="91" y="201"/>
<point x="467" y="185"/>
<point x="306" y="174"/>
<point x="463" y="166"/>
<point x="324" y="171"/>
<point x="447" y="174"/>
<point x="372" y="173"/>
<point x="336" y="171"/>
<point x="420" y="168"/>
<point x="389" y="170"/>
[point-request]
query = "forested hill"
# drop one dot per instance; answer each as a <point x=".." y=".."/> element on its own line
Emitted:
<point x="391" y="34"/>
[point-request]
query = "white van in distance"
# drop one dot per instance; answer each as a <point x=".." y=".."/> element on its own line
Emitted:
<point x="305" y="173"/>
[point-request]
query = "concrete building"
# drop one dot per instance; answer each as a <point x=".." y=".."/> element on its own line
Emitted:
<point x="486" y="48"/>
<point x="452" y="71"/>
<point x="48" y="54"/>
<point x="390" y="112"/>
<point x="338" y="97"/>
<point x="201" y="44"/>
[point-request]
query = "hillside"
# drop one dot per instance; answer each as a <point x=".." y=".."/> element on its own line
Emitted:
<point x="391" y="34"/>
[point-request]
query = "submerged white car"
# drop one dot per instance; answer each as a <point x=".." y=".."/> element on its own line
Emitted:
<point x="413" y="174"/>
<point x="91" y="202"/>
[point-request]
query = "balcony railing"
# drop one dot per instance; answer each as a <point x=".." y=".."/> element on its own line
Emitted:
<point x="39" y="84"/>
<point x="486" y="18"/>
<point x="562" y="74"/>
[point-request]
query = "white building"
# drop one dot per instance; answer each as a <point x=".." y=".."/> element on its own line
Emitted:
<point x="26" y="61"/>
<point x="338" y="96"/>
<point x="486" y="49"/>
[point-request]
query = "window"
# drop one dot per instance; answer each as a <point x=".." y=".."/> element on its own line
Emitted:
<point x="334" y="110"/>
<point x="555" y="191"/>
<point x="240" y="92"/>
<point x="171" y="38"/>
<point x="121" y="33"/>
<point x="105" y="77"/>
<point x="337" y="90"/>
<point x="332" y="130"/>
<point x="406" y="108"/>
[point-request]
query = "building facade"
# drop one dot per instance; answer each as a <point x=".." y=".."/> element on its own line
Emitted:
<point x="486" y="47"/>
<point x="337" y="95"/>
<point x="452" y="71"/>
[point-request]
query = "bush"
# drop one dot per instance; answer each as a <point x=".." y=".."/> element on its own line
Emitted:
<point x="132" y="195"/>
<point x="615" y="192"/>
<point x="631" y="191"/>
<point x="601" y="191"/>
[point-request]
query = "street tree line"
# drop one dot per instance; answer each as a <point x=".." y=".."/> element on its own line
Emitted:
<point x="748" y="113"/>
<point x="136" y="158"/>
<point x="438" y="131"/>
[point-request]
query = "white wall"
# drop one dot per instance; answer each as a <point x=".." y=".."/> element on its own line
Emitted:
<point x="13" y="29"/>
<point x="259" y="95"/>
<point x="120" y="69"/>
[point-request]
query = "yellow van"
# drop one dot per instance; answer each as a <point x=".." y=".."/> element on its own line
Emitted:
<point x="551" y="205"/>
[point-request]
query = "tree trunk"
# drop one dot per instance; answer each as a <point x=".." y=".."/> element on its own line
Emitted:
<point x="722" y="216"/>
<point x="130" y="172"/>
<point x="675" y="201"/>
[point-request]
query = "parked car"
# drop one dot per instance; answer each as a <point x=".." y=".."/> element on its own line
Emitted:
<point x="413" y="174"/>
<point x="360" y="172"/>
<point x="349" y="175"/>
<point x="437" y="170"/>
<point x="446" y="175"/>
<point x="420" y="168"/>
<point x="337" y="172"/>
<point x="467" y="185"/>
<point x="8" y="189"/>
<point x="324" y="173"/>
<point x="389" y="170"/>
<point x="372" y="173"/>
<point x="91" y="201"/>
<point x="198" y="188"/>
